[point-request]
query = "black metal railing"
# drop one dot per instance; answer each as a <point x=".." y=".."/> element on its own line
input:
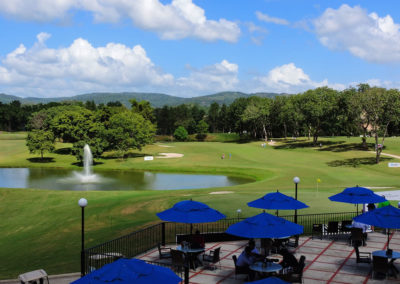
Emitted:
<point x="143" y="240"/>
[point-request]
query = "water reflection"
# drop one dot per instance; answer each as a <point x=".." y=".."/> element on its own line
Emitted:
<point x="62" y="179"/>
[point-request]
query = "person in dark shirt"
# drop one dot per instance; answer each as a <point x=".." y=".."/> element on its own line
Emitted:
<point x="371" y="206"/>
<point x="197" y="240"/>
<point x="289" y="260"/>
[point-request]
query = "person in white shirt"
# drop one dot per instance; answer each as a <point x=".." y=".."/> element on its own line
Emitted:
<point x="245" y="260"/>
<point x="364" y="228"/>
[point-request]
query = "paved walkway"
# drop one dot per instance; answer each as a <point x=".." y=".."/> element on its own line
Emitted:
<point x="327" y="261"/>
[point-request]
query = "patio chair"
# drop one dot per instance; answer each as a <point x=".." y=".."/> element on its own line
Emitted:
<point x="380" y="265"/>
<point x="213" y="257"/>
<point x="356" y="237"/>
<point x="345" y="226"/>
<point x="164" y="252"/>
<point x="296" y="274"/>
<point x="316" y="229"/>
<point x="333" y="228"/>
<point x="362" y="257"/>
<point x="240" y="270"/>
<point x="178" y="259"/>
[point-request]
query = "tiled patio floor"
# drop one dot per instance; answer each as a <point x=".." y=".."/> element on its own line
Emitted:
<point x="327" y="261"/>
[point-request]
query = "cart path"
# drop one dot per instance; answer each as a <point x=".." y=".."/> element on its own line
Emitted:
<point x="389" y="155"/>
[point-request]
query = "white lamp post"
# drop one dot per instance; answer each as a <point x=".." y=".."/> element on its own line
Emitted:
<point x="238" y="212"/>
<point x="296" y="180"/>
<point x="82" y="203"/>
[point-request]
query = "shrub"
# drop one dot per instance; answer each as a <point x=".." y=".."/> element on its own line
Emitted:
<point x="181" y="133"/>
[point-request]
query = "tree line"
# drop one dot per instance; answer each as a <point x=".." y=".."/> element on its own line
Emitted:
<point x="318" y="112"/>
<point x="363" y="110"/>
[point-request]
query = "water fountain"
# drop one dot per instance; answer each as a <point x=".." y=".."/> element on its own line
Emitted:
<point x="87" y="176"/>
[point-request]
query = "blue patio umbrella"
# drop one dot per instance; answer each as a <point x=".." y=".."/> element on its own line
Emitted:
<point x="278" y="201"/>
<point x="357" y="195"/>
<point x="264" y="225"/>
<point x="269" y="280"/>
<point x="190" y="212"/>
<point x="387" y="217"/>
<point x="130" y="271"/>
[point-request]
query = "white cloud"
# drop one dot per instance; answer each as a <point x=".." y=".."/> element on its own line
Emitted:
<point x="368" y="36"/>
<point x="257" y="33"/>
<point x="269" y="19"/>
<point x="288" y="78"/>
<point x="179" y="19"/>
<point x="214" y="78"/>
<point x="82" y="68"/>
<point x="78" y="68"/>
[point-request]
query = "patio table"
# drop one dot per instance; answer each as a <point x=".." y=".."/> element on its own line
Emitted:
<point x="191" y="254"/>
<point x="392" y="257"/>
<point x="268" y="267"/>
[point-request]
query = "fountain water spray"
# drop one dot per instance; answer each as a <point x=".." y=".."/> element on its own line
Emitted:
<point x="87" y="176"/>
<point x="87" y="160"/>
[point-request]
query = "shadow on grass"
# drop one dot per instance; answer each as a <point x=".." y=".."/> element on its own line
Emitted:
<point x="126" y="156"/>
<point x="63" y="151"/>
<point x="349" y="147"/>
<point x="294" y="144"/>
<point x="40" y="160"/>
<point x="241" y="141"/>
<point x="356" y="162"/>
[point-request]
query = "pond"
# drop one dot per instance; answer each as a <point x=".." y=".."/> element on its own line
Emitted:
<point x="64" y="179"/>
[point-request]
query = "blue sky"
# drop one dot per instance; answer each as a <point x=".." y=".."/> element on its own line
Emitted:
<point x="53" y="48"/>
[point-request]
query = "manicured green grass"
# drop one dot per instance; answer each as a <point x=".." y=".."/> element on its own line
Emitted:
<point x="41" y="228"/>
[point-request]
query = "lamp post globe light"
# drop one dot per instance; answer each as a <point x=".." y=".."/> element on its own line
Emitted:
<point x="82" y="203"/>
<point x="296" y="180"/>
<point x="238" y="212"/>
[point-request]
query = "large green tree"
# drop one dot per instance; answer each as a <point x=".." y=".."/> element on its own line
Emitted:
<point x="380" y="107"/>
<point x="256" y="114"/>
<point x="213" y="115"/>
<point x="318" y="107"/>
<point x="40" y="141"/>
<point x="128" y="130"/>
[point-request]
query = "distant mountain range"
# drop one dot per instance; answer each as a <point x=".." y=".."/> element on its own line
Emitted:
<point x="155" y="99"/>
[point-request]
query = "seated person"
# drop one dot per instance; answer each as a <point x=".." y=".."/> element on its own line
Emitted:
<point x="245" y="260"/>
<point x="197" y="240"/>
<point x="364" y="228"/>
<point x="255" y="253"/>
<point x="289" y="260"/>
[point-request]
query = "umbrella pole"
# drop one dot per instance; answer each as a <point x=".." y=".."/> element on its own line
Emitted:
<point x="191" y="228"/>
<point x="387" y="248"/>
<point x="357" y="209"/>
<point x="276" y="212"/>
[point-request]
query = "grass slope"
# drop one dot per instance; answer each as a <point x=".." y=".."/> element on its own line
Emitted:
<point x="41" y="228"/>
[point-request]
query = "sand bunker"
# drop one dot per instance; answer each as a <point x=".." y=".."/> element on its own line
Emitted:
<point x="221" y="192"/>
<point x="169" y="155"/>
